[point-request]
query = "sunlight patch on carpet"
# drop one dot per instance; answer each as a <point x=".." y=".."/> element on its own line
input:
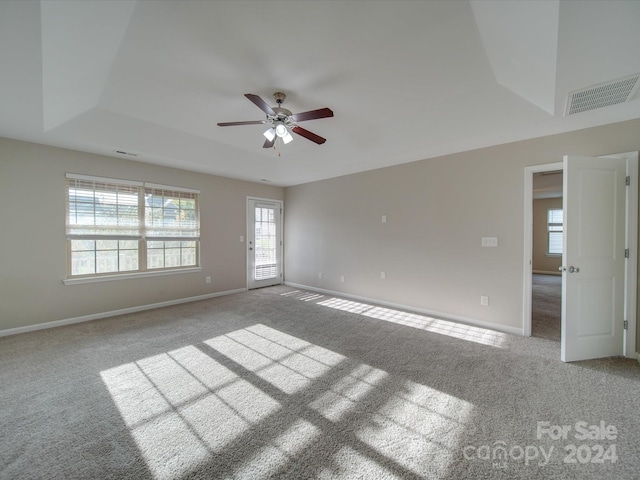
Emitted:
<point x="304" y="296"/>
<point x="282" y="450"/>
<point x="349" y="463"/>
<point x="421" y="322"/>
<point x="183" y="406"/>
<point x="269" y="399"/>
<point x="418" y="425"/>
<point x="342" y="397"/>
<point x="289" y="368"/>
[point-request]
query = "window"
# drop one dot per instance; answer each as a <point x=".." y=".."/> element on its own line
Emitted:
<point x="554" y="231"/>
<point x="172" y="227"/>
<point x="119" y="226"/>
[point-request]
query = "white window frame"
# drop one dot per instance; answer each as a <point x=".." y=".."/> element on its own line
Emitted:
<point x="144" y="232"/>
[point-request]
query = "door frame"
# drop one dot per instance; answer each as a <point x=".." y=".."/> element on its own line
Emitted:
<point x="248" y="226"/>
<point x="631" y="240"/>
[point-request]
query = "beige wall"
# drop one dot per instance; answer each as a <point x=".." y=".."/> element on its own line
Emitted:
<point x="33" y="246"/>
<point x="437" y="212"/>
<point x="541" y="261"/>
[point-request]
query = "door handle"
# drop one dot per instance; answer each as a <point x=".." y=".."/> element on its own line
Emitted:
<point x="571" y="269"/>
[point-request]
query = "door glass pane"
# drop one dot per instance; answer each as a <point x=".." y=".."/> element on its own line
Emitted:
<point x="265" y="244"/>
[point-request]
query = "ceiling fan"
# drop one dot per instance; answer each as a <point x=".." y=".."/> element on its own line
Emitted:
<point x="281" y="121"/>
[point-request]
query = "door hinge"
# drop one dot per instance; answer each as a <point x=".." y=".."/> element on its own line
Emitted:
<point x="626" y="324"/>
<point x="626" y="253"/>
<point x="628" y="181"/>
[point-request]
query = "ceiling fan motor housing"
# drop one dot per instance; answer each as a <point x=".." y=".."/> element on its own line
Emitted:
<point x="282" y="114"/>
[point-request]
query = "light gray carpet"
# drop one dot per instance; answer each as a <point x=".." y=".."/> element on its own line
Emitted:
<point x="278" y="383"/>
<point x="546" y="304"/>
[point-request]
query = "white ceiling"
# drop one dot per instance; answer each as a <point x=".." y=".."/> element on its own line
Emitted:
<point x="406" y="80"/>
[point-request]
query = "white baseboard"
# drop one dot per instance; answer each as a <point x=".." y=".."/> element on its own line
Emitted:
<point x="444" y="316"/>
<point x="544" y="272"/>
<point x="113" y="313"/>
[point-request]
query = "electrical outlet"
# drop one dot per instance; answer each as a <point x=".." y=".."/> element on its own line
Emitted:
<point x="207" y="280"/>
<point x="484" y="300"/>
<point x="320" y="275"/>
<point x="342" y="278"/>
<point x="383" y="275"/>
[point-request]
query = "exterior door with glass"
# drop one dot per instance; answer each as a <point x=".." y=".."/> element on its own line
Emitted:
<point x="264" y="242"/>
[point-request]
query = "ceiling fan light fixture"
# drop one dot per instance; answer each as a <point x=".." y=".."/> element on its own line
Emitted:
<point x="270" y="134"/>
<point x="286" y="138"/>
<point x="281" y="130"/>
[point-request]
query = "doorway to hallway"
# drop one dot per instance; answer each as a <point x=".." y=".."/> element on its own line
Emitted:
<point x="546" y="306"/>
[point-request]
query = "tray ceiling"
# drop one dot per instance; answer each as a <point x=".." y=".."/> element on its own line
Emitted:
<point x="406" y="80"/>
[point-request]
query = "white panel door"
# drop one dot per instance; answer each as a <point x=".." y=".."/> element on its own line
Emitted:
<point x="593" y="277"/>
<point x="264" y="243"/>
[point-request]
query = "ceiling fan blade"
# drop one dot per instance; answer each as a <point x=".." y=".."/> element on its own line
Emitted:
<point x="269" y="143"/>
<point x="260" y="103"/>
<point x="312" y="115"/>
<point x="232" y="124"/>
<point x="309" y="135"/>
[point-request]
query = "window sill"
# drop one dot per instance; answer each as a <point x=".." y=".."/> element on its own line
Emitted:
<point x="127" y="276"/>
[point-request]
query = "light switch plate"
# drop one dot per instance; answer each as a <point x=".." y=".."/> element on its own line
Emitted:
<point x="489" y="241"/>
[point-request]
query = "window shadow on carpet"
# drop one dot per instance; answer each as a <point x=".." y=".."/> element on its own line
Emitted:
<point x="280" y="406"/>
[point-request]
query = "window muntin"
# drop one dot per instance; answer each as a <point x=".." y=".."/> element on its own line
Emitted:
<point x="555" y="231"/>
<point x="119" y="226"/>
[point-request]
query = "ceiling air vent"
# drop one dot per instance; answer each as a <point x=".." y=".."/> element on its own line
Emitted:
<point x="602" y="95"/>
<point x="129" y="154"/>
